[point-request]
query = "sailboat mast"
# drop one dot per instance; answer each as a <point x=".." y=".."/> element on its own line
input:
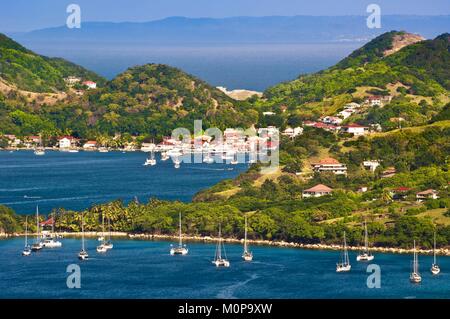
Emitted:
<point x="345" y="251"/>
<point x="109" y="226"/>
<point x="366" y="240"/>
<point x="245" y="235"/>
<point x="179" y="226"/>
<point x="82" y="232"/>
<point x="26" y="231"/>
<point x="434" y="249"/>
<point x="37" y="223"/>
<point x="219" y="244"/>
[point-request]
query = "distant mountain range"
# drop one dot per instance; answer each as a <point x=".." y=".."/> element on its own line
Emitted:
<point x="272" y="29"/>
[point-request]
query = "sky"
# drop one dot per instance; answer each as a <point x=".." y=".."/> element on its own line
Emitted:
<point x="27" y="15"/>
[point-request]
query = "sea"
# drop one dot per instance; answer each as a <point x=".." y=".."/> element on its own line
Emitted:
<point x="234" y="66"/>
<point x="145" y="269"/>
<point x="77" y="181"/>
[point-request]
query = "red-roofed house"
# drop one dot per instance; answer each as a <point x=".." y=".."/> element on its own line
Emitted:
<point x="355" y="129"/>
<point x="90" y="145"/>
<point x="90" y="84"/>
<point x="317" y="191"/>
<point x="330" y="165"/>
<point x="427" y="194"/>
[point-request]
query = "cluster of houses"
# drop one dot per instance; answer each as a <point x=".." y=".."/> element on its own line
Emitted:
<point x="334" y="123"/>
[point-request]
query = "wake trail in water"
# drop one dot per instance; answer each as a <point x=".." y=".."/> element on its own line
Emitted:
<point x="228" y="292"/>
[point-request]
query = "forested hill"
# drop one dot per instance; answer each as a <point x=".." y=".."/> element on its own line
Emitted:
<point x="420" y="66"/>
<point x="156" y="98"/>
<point x="29" y="71"/>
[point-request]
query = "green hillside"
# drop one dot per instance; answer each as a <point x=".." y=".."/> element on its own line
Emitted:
<point x="29" y="71"/>
<point x="422" y="67"/>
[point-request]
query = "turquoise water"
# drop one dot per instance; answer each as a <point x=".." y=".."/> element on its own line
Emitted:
<point x="144" y="269"/>
<point x="79" y="180"/>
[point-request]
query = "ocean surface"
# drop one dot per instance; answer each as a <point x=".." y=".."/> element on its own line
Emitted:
<point x="144" y="269"/>
<point x="79" y="180"/>
<point x="235" y="66"/>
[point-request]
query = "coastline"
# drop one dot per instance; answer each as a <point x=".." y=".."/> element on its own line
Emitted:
<point x="209" y="239"/>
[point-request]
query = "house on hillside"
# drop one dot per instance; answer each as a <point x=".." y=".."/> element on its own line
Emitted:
<point x="355" y="129"/>
<point x="317" y="191"/>
<point x="371" y="165"/>
<point x="400" y="193"/>
<point x="334" y="120"/>
<point x="389" y="172"/>
<point x="427" y="194"/>
<point x="330" y="165"/>
<point x="90" y="84"/>
<point x="292" y="132"/>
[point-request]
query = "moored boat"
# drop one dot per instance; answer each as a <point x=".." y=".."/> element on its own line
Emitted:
<point x="344" y="264"/>
<point x="181" y="249"/>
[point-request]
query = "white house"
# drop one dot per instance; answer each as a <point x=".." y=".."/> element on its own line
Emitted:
<point x="90" y="84"/>
<point x="374" y="100"/>
<point x="67" y="141"/>
<point x="346" y="113"/>
<point x="90" y="145"/>
<point x="355" y="129"/>
<point x="427" y="194"/>
<point x="332" y="120"/>
<point x="330" y="165"/>
<point x="317" y="191"/>
<point x="292" y="132"/>
<point x="371" y="165"/>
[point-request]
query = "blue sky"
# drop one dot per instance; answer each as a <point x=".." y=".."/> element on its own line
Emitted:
<point x="25" y="15"/>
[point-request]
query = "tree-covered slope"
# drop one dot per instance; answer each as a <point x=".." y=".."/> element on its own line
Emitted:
<point x="29" y="71"/>
<point x="157" y="98"/>
<point x="422" y="66"/>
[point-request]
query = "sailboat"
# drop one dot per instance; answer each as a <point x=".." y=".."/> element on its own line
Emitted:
<point x="26" y="250"/>
<point x="38" y="243"/>
<point x="52" y="242"/>
<point x="176" y="162"/>
<point x="234" y="161"/>
<point x="208" y="159"/>
<point x="365" y="255"/>
<point x="247" y="255"/>
<point x="180" y="250"/>
<point x="164" y="156"/>
<point x="435" y="269"/>
<point x="82" y="255"/>
<point x="101" y="248"/>
<point x="151" y="160"/>
<point x="344" y="264"/>
<point x="108" y="244"/>
<point x="219" y="261"/>
<point x="415" y="277"/>
<point x="39" y="150"/>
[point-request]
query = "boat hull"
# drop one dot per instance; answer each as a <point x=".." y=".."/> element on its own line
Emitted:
<point x="343" y="268"/>
<point x="364" y="257"/>
<point x="415" y="278"/>
<point x="221" y="263"/>
<point x="435" y="270"/>
<point x="179" y="251"/>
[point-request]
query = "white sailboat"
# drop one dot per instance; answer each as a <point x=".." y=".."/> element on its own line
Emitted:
<point x="101" y="248"/>
<point x="39" y="150"/>
<point x="27" y="249"/>
<point x="164" y="156"/>
<point x="151" y="160"/>
<point x="365" y="255"/>
<point x="180" y="250"/>
<point x="108" y="244"/>
<point x="219" y="261"/>
<point x="52" y="242"/>
<point x="247" y="255"/>
<point x="82" y="255"/>
<point x="344" y="264"/>
<point x="208" y="159"/>
<point x="435" y="269"/>
<point x="415" y="277"/>
<point x="176" y="162"/>
<point x="38" y="243"/>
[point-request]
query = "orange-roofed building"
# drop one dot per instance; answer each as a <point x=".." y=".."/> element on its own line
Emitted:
<point x="317" y="191"/>
<point x="330" y="165"/>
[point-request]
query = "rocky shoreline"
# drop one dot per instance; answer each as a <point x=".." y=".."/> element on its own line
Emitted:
<point x="390" y="250"/>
